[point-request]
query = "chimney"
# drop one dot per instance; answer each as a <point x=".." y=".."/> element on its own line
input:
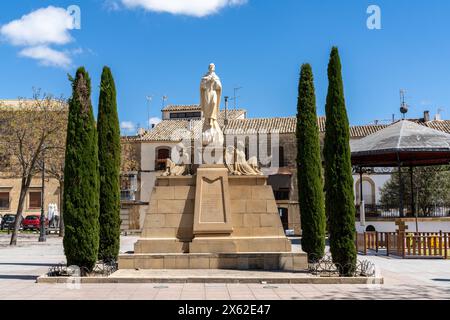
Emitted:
<point x="426" y="116"/>
<point x="438" y="117"/>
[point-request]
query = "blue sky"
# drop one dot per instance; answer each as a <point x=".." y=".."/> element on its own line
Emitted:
<point x="256" y="44"/>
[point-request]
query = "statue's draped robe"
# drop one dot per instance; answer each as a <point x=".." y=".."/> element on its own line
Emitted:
<point x="210" y="94"/>
<point x="237" y="164"/>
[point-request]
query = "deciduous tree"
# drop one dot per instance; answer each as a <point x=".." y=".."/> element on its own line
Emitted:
<point x="30" y="128"/>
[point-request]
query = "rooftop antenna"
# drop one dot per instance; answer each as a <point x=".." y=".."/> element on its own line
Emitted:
<point x="403" y="105"/>
<point x="438" y="114"/>
<point x="235" y="90"/>
<point x="149" y="102"/>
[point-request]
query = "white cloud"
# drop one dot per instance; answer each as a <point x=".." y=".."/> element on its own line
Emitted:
<point x="47" y="56"/>
<point x="196" y="8"/>
<point x="127" y="126"/>
<point x="44" y="26"/>
<point x="37" y="31"/>
<point x="154" y="121"/>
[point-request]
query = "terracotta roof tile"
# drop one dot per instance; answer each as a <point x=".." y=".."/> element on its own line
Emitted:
<point x="363" y="131"/>
<point x="187" y="107"/>
<point x="282" y="125"/>
<point x="441" y="125"/>
<point x="173" y="130"/>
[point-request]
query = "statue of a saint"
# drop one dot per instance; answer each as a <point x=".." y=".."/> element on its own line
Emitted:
<point x="210" y="95"/>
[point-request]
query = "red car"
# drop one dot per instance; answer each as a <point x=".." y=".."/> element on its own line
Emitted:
<point x="33" y="222"/>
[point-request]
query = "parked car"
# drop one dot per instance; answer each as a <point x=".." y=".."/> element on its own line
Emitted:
<point x="33" y="222"/>
<point x="8" y="221"/>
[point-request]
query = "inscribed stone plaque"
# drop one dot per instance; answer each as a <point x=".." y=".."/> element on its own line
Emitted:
<point x="212" y="202"/>
<point x="212" y="205"/>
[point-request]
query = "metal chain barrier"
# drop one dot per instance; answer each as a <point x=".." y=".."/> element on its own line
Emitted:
<point x="101" y="268"/>
<point x="325" y="267"/>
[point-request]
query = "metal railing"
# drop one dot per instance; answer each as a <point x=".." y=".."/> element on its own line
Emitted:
<point x="385" y="211"/>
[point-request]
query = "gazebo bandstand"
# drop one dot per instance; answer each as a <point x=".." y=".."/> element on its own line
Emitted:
<point x="402" y="144"/>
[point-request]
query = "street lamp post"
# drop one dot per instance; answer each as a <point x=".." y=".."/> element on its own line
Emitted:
<point x="42" y="233"/>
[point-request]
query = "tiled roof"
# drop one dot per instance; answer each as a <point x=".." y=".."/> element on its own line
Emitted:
<point x="282" y="125"/>
<point x="232" y="114"/>
<point x="175" y="130"/>
<point x="172" y="130"/>
<point x="363" y="131"/>
<point x="402" y="136"/>
<point x="129" y="138"/>
<point x="441" y="125"/>
<point x="188" y="107"/>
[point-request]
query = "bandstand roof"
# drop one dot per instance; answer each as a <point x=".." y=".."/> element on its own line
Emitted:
<point x="404" y="142"/>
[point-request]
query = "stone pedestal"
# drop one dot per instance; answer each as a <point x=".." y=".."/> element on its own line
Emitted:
<point x="212" y="214"/>
<point x="215" y="219"/>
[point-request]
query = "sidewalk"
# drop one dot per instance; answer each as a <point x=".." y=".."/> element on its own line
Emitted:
<point x="19" y="267"/>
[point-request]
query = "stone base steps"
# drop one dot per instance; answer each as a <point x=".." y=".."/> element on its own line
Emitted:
<point x="285" y="261"/>
<point x="212" y="276"/>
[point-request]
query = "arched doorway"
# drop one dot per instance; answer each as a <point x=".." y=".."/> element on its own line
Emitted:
<point x="368" y="191"/>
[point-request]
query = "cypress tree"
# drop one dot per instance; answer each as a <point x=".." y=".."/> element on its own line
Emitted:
<point x="309" y="169"/>
<point x="81" y="178"/>
<point x="339" y="203"/>
<point x="109" y="159"/>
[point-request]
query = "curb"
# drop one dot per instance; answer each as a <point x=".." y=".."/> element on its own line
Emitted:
<point x="259" y="280"/>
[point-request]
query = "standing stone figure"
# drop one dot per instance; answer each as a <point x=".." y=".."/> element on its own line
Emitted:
<point x="210" y="95"/>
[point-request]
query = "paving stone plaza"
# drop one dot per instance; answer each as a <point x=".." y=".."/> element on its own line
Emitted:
<point x="20" y="266"/>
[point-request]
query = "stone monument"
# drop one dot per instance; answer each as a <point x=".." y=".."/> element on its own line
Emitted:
<point x="225" y="216"/>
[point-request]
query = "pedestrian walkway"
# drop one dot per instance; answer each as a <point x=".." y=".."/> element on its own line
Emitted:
<point x="19" y="267"/>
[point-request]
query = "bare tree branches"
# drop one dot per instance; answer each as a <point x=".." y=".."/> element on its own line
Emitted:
<point x="30" y="127"/>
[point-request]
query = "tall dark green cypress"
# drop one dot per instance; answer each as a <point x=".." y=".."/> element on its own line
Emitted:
<point x="81" y="178"/>
<point x="309" y="170"/>
<point x="109" y="158"/>
<point x="339" y="203"/>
